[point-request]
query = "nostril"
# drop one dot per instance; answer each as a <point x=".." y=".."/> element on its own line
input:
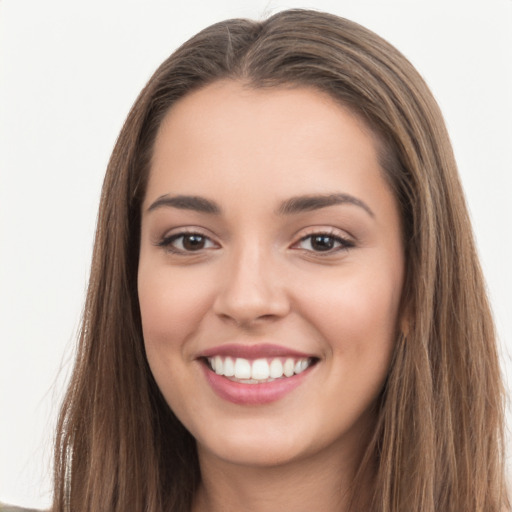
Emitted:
<point x="247" y="296"/>
<point x="248" y="317"/>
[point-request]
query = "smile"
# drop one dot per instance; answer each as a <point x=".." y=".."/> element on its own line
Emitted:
<point x="255" y="374"/>
<point x="258" y="371"/>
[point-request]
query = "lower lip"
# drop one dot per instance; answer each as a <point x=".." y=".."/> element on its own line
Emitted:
<point x="252" y="394"/>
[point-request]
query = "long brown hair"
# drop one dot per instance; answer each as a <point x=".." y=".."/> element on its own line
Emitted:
<point x="438" y="441"/>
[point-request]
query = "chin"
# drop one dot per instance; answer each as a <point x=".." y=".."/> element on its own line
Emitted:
<point x="266" y="442"/>
<point x="256" y="452"/>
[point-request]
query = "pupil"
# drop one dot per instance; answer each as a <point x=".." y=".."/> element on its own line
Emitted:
<point x="322" y="243"/>
<point x="193" y="242"/>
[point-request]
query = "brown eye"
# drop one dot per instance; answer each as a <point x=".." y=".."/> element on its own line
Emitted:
<point x="324" y="242"/>
<point x="193" y="242"/>
<point x="183" y="243"/>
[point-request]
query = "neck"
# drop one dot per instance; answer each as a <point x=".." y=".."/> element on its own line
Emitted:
<point x="323" y="482"/>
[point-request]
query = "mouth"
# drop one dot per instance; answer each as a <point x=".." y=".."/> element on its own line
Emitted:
<point x="258" y="371"/>
<point x="255" y="375"/>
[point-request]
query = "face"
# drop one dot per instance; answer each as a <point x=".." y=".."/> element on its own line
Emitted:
<point x="270" y="275"/>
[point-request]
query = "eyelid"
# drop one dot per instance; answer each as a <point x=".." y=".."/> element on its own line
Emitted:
<point x="346" y="242"/>
<point x="166" y="240"/>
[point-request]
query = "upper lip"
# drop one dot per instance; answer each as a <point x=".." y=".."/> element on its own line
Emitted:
<point x="253" y="351"/>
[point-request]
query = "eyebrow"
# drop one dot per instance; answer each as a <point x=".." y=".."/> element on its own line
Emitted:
<point x="195" y="203"/>
<point x="291" y="206"/>
<point x="308" y="203"/>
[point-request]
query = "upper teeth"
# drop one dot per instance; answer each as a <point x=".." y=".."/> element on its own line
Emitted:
<point x="258" y="369"/>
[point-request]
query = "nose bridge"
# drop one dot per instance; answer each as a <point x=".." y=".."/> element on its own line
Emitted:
<point x="251" y="288"/>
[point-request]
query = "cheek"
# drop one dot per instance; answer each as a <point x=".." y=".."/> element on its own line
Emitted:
<point x="170" y="305"/>
<point x="170" y="312"/>
<point x="357" y="314"/>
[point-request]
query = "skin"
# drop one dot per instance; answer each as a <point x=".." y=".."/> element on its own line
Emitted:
<point x="256" y="277"/>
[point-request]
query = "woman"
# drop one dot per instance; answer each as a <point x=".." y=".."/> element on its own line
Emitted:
<point x="285" y="310"/>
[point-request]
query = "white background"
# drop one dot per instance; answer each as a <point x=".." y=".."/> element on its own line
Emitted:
<point x="69" y="72"/>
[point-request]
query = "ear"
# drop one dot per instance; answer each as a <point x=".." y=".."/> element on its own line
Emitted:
<point x="404" y="328"/>
<point x="405" y="321"/>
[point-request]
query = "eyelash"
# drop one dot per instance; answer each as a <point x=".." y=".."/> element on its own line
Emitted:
<point x="343" y="243"/>
<point x="167" y="242"/>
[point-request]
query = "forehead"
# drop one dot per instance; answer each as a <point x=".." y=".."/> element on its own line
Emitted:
<point x="280" y="141"/>
<point x="231" y="105"/>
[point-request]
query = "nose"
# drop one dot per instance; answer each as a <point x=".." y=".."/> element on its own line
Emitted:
<point x="252" y="290"/>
